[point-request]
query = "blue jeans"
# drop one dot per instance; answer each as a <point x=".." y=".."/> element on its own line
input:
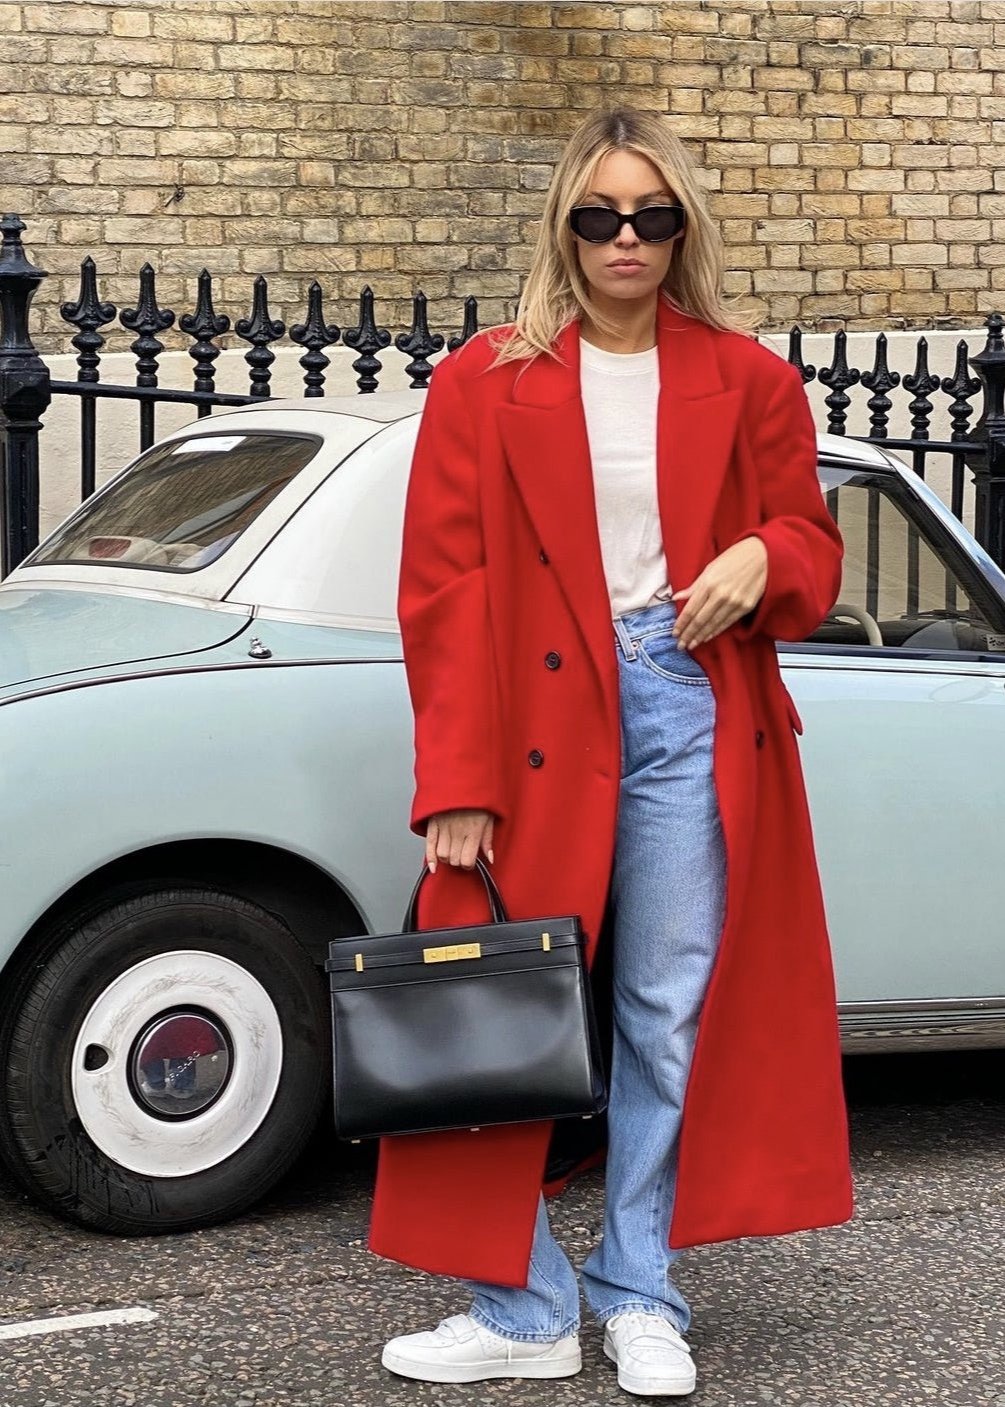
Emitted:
<point x="667" y="895"/>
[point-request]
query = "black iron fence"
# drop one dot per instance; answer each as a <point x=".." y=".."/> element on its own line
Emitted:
<point x="27" y="388"/>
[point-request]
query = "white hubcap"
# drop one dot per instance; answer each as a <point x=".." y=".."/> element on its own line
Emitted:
<point x="128" y="1130"/>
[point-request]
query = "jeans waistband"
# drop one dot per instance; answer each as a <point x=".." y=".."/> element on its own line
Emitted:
<point x="633" y="625"/>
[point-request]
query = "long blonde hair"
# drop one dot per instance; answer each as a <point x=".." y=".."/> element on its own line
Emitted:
<point x="555" y="291"/>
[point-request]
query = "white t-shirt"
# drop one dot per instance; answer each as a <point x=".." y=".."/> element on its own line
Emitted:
<point x="620" y="392"/>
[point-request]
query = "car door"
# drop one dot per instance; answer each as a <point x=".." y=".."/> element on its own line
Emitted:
<point x="902" y="696"/>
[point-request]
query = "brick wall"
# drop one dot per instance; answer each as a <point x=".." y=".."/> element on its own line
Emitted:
<point x="852" y="149"/>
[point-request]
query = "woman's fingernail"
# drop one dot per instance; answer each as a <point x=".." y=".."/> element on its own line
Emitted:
<point x="432" y="867"/>
<point x="492" y="858"/>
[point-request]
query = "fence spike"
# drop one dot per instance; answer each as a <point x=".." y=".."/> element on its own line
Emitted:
<point x="880" y="380"/>
<point x="260" y="329"/>
<point x="366" y="338"/>
<point x="419" y="343"/>
<point x="839" y="376"/>
<point x="796" y="354"/>
<point x="204" y="324"/>
<point x="314" y="334"/>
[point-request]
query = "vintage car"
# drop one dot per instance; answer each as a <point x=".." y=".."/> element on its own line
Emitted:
<point x="207" y="768"/>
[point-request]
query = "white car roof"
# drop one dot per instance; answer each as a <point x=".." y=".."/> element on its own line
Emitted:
<point x="253" y="573"/>
<point x="383" y="407"/>
<point x="380" y="406"/>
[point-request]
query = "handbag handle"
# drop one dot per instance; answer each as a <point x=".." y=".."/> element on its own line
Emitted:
<point x="496" y="904"/>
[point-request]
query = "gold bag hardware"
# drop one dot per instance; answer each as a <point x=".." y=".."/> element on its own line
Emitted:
<point x="452" y="952"/>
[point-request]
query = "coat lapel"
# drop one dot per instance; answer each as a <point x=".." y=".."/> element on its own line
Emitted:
<point x="695" y="433"/>
<point x="543" y="433"/>
<point x="544" y="436"/>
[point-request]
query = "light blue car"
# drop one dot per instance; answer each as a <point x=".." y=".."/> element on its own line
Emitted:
<point x="207" y="770"/>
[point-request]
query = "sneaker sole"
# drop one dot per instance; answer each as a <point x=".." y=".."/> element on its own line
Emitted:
<point x="476" y="1372"/>
<point x="649" y="1387"/>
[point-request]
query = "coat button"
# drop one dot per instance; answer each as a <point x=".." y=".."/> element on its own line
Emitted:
<point x="535" y="757"/>
<point x="543" y="556"/>
<point x="553" y="659"/>
<point x="759" y="737"/>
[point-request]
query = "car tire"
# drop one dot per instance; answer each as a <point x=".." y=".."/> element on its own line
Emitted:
<point x="84" y="1121"/>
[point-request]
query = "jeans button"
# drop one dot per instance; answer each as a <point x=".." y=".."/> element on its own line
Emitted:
<point x="535" y="757"/>
<point x="553" y="659"/>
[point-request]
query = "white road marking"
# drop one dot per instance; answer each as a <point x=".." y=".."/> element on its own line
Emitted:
<point x="61" y="1323"/>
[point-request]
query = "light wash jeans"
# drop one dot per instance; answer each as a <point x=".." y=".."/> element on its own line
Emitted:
<point x="667" y="893"/>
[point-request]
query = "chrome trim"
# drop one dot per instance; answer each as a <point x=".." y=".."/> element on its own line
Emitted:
<point x="890" y="660"/>
<point x="83" y="586"/>
<point x="955" y="1023"/>
<point x="6" y="701"/>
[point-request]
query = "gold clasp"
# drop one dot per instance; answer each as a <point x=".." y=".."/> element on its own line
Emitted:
<point x="452" y="952"/>
<point x="546" y="942"/>
<point x="359" y="962"/>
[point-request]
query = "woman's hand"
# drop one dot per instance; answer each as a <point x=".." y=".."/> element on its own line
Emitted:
<point x="729" y="587"/>
<point x="457" y="836"/>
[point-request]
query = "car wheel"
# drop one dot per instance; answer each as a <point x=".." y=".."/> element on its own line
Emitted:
<point x="166" y="1063"/>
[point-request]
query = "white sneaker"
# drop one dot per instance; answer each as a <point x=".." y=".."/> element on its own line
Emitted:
<point x="460" y="1350"/>
<point x="653" y="1360"/>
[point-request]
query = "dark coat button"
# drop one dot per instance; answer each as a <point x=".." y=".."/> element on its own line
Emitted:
<point x="553" y="659"/>
<point x="543" y="556"/>
<point x="759" y="737"/>
<point x="535" y="757"/>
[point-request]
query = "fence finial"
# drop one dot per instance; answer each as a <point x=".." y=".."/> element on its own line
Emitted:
<point x="24" y="394"/>
<point x="19" y="279"/>
<point x="989" y="469"/>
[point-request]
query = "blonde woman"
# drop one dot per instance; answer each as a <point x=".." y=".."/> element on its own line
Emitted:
<point x="613" y="514"/>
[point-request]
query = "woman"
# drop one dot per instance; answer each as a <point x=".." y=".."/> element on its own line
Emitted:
<point x="613" y="513"/>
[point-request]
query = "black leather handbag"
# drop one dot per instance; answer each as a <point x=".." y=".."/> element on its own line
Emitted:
<point x="462" y="1027"/>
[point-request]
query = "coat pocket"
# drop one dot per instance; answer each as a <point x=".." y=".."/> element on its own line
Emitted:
<point x="793" y="712"/>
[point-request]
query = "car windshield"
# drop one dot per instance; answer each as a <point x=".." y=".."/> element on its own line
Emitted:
<point x="906" y="582"/>
<point x="182" y="504"/>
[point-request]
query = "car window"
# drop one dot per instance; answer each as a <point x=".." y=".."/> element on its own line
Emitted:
<point x="182" y="504"/>
<point x="338" y="554"/>
<point x="905" y="582"/>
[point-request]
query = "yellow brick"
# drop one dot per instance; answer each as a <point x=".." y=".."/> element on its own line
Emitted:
<point x="66" y="18"/>
<point x="783" y="154"/>
<point x="911" y="254"/>
<point x="829" y="204"/>
<point x="735" y="153"/>
<point x="874" y="280"/>
<point x="596" y="16"/>
<point x="130" y="23"/>
<point x="866" y="231"/>
<point x="785" y="256"/>
<point x="788" y="78"/>
<point x="875" y="205"/>
<point x="816" y="256"/>
<point x="787" y="178"/>
<point x="915" y="56"/>
<point x="953" y="230"/>
<point x="831" y="154"/>
<point x="782" y="231"/>
<point x="782" y="281"/>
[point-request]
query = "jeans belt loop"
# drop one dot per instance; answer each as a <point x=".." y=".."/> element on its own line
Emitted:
<point x="627" y="644"/>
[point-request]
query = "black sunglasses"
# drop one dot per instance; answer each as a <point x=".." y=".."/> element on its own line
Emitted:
<point x="653" y="223"/>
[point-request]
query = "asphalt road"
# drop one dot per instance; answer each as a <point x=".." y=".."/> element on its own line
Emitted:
<point x="904" y="1305"/>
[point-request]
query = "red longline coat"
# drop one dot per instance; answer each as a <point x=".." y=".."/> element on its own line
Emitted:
<point x="501" y="565"/>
